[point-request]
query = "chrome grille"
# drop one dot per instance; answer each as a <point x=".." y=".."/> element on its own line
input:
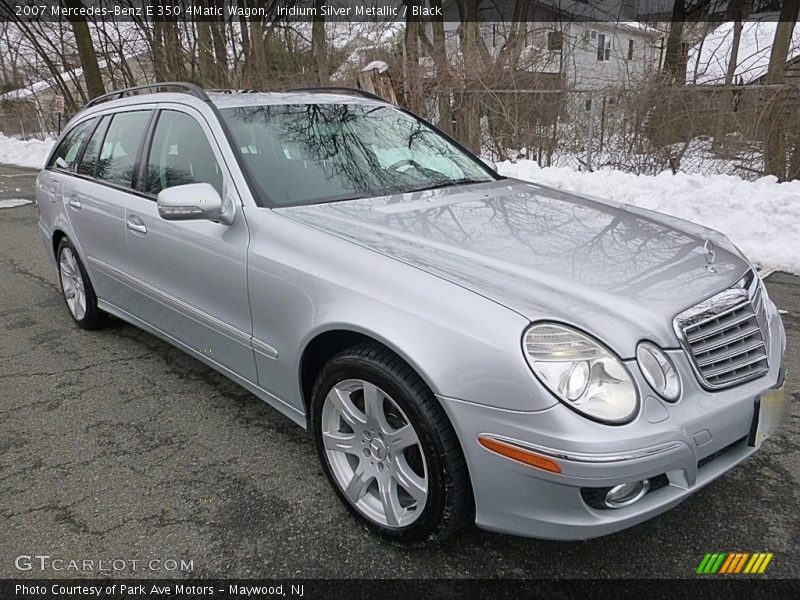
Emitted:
<point x="726" y="335"/>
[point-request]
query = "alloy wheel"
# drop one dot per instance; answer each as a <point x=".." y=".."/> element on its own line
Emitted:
<point x="72" y="284"/>
<point x="374" y="453"/>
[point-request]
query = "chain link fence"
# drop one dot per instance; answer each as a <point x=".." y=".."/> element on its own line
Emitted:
<point x="28" y="128"/>
<point x="695" y="129"/>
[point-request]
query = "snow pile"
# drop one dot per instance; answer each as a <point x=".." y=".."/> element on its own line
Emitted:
<point x="761" y="217"/>
<point x="25" y="153"/>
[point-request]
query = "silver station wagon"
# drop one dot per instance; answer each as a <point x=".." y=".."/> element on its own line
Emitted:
<point x="463" y="347"/>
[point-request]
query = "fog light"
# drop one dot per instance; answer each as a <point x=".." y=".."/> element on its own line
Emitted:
<point x="626" y="494"/>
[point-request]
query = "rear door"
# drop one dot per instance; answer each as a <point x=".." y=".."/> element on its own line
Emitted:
<point x="192" y="274"/>
<point x="60" y="167"/>
<point x="96" y="200"/>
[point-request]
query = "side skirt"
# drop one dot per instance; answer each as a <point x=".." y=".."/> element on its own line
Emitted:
<point x="281" y="406"/>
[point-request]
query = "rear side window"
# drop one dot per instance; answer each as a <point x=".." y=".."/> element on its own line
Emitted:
<point x="67" y="151"/>
<point x="117" y="160"/>
<point x="180" y="154"/>
<point x="92" y="152"/>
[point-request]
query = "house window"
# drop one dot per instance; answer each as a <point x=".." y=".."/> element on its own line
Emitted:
<point x="603" y="47"/>
<point x="630" y="49"/>
<point x="555" y="40"/>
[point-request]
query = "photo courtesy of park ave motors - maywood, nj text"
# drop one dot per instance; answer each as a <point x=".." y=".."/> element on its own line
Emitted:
<point x="336" y="297"/>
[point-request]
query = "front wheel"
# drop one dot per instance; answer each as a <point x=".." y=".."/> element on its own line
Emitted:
<point x="388" y="448"/>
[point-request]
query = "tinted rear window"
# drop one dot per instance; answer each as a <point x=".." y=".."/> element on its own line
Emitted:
<point x="67" y="152"/>
<point x="90" y="155"/>
<point x="117" y="160"/>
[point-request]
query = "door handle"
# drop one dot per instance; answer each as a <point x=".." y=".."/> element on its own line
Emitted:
<point x="74" y="202"/>
<point x="135" y="224"/>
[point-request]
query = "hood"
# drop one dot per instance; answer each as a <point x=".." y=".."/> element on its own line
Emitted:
<point x="618" y="272"/>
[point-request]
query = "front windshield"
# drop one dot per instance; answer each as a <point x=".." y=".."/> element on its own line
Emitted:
<point x="311" y="153"/>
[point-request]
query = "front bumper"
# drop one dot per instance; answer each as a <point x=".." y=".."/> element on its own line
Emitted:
<point x="683" y="446"/>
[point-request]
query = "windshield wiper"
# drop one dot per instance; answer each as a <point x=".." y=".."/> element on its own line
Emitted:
<point x="445" y="184"/>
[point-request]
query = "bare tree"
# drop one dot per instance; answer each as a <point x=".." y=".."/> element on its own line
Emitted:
<point x="775" y="130"/>
<point x="443" y="75"/>
<point x="83" y="39"/>
<point x="219" y="36"/>
<point x="728" y="105"/>
<point x="674" y="64"/>
<point x="318" y="46"/>
<point x="412" y="76"/>
<point x="205" y="51"/>
<point x="468" y="123"/>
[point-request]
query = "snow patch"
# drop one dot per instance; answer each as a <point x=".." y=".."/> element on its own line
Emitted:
<point x="24" y="153"/>
<point x="11" y="203"/>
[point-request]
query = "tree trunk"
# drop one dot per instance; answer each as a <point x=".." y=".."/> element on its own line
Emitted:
<point x="442" y="70"/>
<point x="173" y="52"/>
<point x="774" y="130"/>
<point x="674" y="55"/>
<point x="469" y="116"/>
<point x="725" y="117"/>
<point x="256" y="61"/>
<point x="83" y="40"/>
<point x="243" y="75"/>
<point x="318" y="48"/>
<point x="783" y="39"/>
<point x="159" y="61"/>
<point x="221" y="51"/>
<point x="411" y="75"/>
<point x="205" y="51"/>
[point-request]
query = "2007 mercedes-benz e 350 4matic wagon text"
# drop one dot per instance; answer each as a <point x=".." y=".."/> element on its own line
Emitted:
<point x="444" y="332"/>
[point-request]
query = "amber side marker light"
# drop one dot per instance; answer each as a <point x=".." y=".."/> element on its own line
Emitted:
<point x="519" y="454"/>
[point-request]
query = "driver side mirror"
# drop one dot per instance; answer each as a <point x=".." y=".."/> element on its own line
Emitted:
<point x="489" y="164"/>
<point x="194" y="201"/>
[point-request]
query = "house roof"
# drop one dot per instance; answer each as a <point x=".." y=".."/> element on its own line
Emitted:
<point x="708" y="59"/>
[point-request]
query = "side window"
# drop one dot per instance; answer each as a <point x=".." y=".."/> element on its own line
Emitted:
<point x="117" y="160"/>
<point x="180" y="154"/>
<point x="92" y="152"/>
<point x="69" y="147"/>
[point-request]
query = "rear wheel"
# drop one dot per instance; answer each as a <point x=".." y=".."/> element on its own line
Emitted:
<point x="77" y="289"/>
<point x="388" y="448"/>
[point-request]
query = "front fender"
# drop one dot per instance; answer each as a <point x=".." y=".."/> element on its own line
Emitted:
<point x="304" y="282"/>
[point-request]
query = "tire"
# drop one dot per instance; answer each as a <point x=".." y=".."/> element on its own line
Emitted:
<point x="77" y="289"/>
<point x="355" y="441"/>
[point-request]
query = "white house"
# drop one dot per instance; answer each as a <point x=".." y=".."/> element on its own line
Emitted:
<point x="582" y="54"/>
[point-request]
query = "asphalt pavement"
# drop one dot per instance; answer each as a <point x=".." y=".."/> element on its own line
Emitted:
<point x="116" y="446"/>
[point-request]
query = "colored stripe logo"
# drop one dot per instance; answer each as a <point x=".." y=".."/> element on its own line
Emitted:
<point x="732" y="563"/>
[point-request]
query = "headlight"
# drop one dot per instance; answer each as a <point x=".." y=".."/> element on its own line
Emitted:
<point x="583" y="374"/>
<point x="658" y="371"/>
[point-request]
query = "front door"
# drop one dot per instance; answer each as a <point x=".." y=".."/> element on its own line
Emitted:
<point x="192" y="275"/>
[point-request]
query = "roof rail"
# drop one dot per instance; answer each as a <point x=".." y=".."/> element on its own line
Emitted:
<point x="189" y="88"/>
<point x="229" y="91"/>
<point x="341" y="90"/>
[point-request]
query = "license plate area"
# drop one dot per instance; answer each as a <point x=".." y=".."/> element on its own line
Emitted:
<point x="771" y="411"/>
